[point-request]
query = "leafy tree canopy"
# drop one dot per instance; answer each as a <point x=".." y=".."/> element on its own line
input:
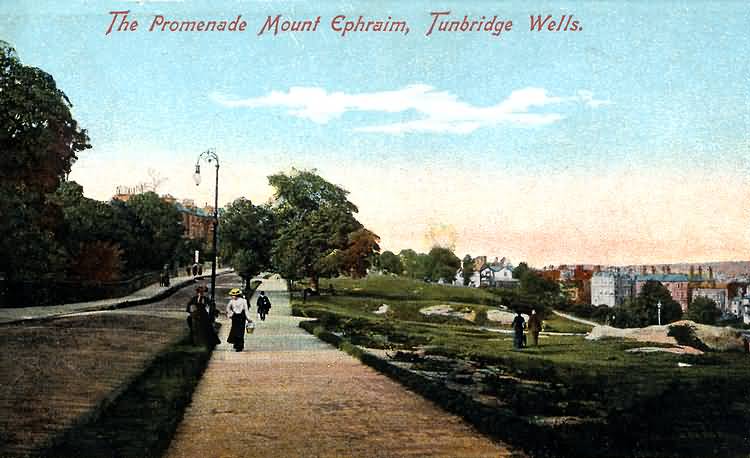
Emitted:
<point x="643" y="310"/>
<point x="703" y="310"/>
<point x="467" y="269"/>
<point x="442" y="264"/>
<point x="303" y="191"/>
<point x="158" y="228"/>
<point x="390" y="263"/>
<point x="40" y="140"/>
<point x="247" y="232"/>
<point x="316" y="220"/>
<point x="360" y="253"/>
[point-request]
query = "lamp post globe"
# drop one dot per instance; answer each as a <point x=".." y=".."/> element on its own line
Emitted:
<point x="197" y="175"/>
<point x="658" y="311"/>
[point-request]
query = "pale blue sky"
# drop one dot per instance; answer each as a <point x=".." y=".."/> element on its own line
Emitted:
<point x="668" y="82"/>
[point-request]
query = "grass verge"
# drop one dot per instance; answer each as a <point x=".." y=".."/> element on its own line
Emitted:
<point x="141" y="421"/>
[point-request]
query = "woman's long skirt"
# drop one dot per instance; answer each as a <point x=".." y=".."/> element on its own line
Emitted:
<point x="237" y="333"/>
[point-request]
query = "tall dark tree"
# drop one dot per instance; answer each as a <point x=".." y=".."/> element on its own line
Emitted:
<point x="643" y="310"/>
<point x="409" y="262"/>
<point x="390" y="263"/>
<point x="247" y="233"/>
<point x="315" y="220"/>
<point x="703" y="310"/>
<point x="159" y="229"/>
<point x="467" y="269"/>
<point x="443" y="264"/>
<point x="39" y="142"/>
<point x="89" y="235"/>
<point x="520" y="270"/>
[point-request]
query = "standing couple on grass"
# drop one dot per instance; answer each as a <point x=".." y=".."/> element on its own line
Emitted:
<point x="239" y="312"/>
<point x="534" y="327"/>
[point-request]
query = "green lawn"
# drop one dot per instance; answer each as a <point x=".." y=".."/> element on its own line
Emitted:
<point x="643" y="402"/>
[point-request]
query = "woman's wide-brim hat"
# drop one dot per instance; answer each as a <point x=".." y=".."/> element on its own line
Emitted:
<point x="235" y="292"/>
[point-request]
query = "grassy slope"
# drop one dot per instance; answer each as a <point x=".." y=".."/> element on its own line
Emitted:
<point x="648" y="396"/>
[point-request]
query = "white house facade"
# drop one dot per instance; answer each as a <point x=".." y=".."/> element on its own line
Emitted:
<point x="611" y="288"/>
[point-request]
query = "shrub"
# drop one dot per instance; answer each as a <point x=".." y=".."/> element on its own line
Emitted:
<point x="684" y="334"/>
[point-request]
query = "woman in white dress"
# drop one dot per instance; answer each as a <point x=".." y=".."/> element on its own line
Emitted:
<point x="238" y="312"/>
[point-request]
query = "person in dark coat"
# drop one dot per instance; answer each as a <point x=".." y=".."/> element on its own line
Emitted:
<point x="238" y="312"/>
<point x="199" y="299"/>
<point x="518" y="325"/>
<point x="535" y="327"/>
<point x="200" y="320"/>
<point x="264" y="305"/>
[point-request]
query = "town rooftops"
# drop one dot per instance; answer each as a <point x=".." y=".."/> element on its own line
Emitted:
<point x="662" y="278"/>
<point x="194" y="211"/>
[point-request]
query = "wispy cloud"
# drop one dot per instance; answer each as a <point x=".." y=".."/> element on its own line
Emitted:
<point x="440" y="111"/>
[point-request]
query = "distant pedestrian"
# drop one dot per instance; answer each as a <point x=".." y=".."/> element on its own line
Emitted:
<point x="164" y="276"/>
<point x="518" y="325"/>
<point x="195" y="270"/>
<point x="264" y="305"/>
<point x="238" y="312"/>
<point x="534" y="326"/>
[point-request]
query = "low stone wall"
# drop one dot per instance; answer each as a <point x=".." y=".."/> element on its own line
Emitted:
<point x="64" y="292"/>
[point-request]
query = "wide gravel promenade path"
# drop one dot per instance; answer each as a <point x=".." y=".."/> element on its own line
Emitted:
<point x="291" y="395"/>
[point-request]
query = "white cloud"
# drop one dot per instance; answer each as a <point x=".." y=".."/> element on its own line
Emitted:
<point x="587" y="97"/>
<point x="440" y="111"/>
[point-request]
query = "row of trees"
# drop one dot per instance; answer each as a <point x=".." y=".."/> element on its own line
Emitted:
<point x="440" y="264"/>
<point x="308" y="230"/>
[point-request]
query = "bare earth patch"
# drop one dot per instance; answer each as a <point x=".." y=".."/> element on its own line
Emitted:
<point x="680" y="350"/>
<point x="503" y="317"/>
<point x="447" y="310"/>
<point x="715" y="337"/>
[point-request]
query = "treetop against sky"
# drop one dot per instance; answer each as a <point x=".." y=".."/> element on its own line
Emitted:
<point x="618" y="142"/>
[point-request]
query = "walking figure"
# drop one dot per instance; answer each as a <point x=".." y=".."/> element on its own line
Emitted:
<point x="239" y="314"/>
<point x="518" y="325"/>
<point x="200" y="320"/>
<point x="263" y="305"/>
<point x="535" y="327"/>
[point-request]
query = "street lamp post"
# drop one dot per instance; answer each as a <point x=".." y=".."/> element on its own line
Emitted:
<point x="209" y="156"/>
<point x="658" y="311"/>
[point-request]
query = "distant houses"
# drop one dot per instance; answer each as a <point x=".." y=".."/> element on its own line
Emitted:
<point x="677" y="284"/>
<point x="612" y="288"/>
<point x="496" y="274"/>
